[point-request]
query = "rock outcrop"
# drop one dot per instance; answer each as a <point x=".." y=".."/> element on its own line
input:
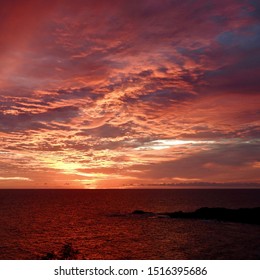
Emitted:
<point x="242" y="215"/>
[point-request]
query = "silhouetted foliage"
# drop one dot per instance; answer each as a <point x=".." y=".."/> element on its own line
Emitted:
<point x="67" y="252"/>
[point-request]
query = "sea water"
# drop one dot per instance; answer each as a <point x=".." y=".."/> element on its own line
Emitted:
<point x="99" y="224"/>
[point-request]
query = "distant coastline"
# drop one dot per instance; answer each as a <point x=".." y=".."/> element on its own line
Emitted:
<point x="241" y="215"/>
<point x="199" y="185"/>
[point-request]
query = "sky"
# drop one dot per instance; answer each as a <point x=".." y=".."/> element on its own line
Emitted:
<point x="110" y="94"/>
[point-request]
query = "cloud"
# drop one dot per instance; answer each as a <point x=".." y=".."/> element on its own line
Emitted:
<point x="139" y="90"/>
<point x="222" y="162"/>
<point x="15" y="178"/>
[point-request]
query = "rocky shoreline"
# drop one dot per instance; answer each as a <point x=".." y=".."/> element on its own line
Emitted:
<point x="241" y="215"/>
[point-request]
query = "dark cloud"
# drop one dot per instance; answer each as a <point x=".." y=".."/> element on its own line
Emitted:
<point x="28" y="121"/>
<point x="256" y="10"/>
<point x="226" y="158"/>
<point x="104" y="131"/>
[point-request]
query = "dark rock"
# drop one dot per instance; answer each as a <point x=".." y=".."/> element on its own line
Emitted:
<point x="143" y="213"/>
<point x="242" y="215"/>
<point x="139" y="212"/>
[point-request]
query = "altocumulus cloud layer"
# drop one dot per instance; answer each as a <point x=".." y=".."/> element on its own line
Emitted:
<point x="107" y="93"/>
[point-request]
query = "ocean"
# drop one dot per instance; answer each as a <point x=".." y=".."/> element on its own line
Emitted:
<point x="99" y="224"/>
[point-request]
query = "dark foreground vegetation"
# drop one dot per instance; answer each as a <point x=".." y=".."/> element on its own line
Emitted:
<point x="67" y="252"/>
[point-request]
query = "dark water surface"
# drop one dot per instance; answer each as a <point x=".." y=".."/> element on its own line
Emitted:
<point x="98" y="224"/>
